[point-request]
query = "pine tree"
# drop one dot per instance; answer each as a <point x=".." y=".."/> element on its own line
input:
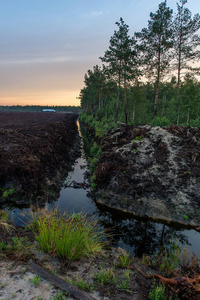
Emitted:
<point x="155" y="45"/>
<point x="186" y="41"/>
<point x="96" y="80"/>
<point x="121" y="58"/>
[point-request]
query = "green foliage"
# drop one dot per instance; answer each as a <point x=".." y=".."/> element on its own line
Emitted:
<point x="70" y="237"/>
<point x="124" y="260"/>
<point x="95" y="150"/>
<point x="2" y="246"/>
<point x="93" y="164"/>
<point x="59" y="296"/>
<point x="80" y="283"/>
<point x="105" y="277"/>
<point x="195" y="122"/>
<point x="7" y="193"/>
<point x="52" y="192"/>
<point x="93" y="186"/>
<point x="4" y="215"/>
<point x="157" y="293"/>
<point x="124" y="285"/>
<point x="169" y="43"/>
<point x="168" y="259"/>
<point x="125" y="282"/>
<point x="138" y="138"/>
<point x="35" y="280"/>
<point x="18" y="244"/>
<point x="19" y="247"/>
<point x="157" y="121"/>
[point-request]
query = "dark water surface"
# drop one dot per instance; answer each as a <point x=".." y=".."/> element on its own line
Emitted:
<point x="137" y="236"/>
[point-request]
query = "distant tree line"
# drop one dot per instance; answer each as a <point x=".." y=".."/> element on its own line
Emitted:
<point x="151" y="77"/>
<point x="38" y="108"/>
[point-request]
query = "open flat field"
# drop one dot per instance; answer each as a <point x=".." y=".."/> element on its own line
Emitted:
<point x="34" y="150"/>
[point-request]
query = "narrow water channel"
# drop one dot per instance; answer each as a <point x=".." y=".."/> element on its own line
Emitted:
<point x="137" y="236"/>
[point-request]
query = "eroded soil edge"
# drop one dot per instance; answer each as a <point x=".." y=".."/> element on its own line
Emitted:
<point x="151" y="172"/>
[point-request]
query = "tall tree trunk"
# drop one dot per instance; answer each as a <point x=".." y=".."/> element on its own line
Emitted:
<point x="99" y="107"/>
<point x="164" y="101"/>
<point x="117" y="106"/>
<point x="157" y="82"/>
<point x="178" y="82"/>
<point x="125" y="102"/>
<point x="118" y="93"/>
<point x="156" y="98"/>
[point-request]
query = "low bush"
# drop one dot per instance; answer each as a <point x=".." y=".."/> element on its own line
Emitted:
<point x="157" y="121"/>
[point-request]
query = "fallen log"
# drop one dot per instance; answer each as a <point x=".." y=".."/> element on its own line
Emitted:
<point x="75" y="185"/>
<point x="59" y="283"/>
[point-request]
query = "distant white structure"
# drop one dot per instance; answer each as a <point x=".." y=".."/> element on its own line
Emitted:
<point x="49" y="110"/>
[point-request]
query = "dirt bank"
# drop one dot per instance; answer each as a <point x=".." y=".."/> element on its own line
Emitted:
<point x="151" y="172"/>
<point x="35" y="150"/>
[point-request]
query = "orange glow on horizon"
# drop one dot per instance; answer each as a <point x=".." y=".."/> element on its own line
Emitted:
<point x="68" y="98"/>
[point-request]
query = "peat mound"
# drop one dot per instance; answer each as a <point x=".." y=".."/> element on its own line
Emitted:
<point x="35" y="150"/>
<point x="151" y="172"/>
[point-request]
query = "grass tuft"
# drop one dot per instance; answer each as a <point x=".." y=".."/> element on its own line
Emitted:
<point x="70" y="237"/>
<point x="4" y="216"/>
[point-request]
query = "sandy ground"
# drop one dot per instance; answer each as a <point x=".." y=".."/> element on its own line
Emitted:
<point x="17" y="283"/>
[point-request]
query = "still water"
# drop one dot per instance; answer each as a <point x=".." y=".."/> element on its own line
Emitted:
<point x="137" y="236"/>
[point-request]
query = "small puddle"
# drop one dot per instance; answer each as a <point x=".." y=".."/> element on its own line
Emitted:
<point x="137" y="236"/>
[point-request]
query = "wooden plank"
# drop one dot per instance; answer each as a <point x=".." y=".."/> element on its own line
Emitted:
<point x="59" y="283"/>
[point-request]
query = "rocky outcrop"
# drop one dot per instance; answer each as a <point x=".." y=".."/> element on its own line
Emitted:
<point x="151" y="172"/>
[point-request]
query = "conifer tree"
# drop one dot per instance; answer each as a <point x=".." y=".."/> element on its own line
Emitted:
<point x="121" y="61"/>
<point x="186" y="41"/>
<point x="155" y="43"/>
<point x="96" y="79"/>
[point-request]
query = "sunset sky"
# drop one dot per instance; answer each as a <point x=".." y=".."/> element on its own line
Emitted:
<point x="46" y="46"/>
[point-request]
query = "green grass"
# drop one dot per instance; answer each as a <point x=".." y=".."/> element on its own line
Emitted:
<point x="7" y="193"/>
<point x="17" y="247"/>
<point x="80" y="283"/>
<point x="124" y="260"/>
<point x="169" y="258"/>
<point x="157" y="293"/>
<point x="69" y="237"/>
<point x="4" y="217"/>
<point x="105" y="277"/>
<point x="59" y="296"/>
<point x="35" y="280"/>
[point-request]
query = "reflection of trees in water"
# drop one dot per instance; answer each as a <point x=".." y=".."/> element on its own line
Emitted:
<point x="142" y="236"/>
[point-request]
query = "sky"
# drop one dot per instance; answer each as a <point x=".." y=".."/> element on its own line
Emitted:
<point x="47" y="46"/>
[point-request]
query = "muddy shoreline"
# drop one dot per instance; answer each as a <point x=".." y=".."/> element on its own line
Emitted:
<point x="37" y="150"/>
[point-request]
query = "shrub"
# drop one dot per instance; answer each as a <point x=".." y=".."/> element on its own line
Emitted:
<point x="157" y="121"/>
<point x="93" y="164"/>
<point x="195" y="123"/>
<point x="95" y="150"/>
